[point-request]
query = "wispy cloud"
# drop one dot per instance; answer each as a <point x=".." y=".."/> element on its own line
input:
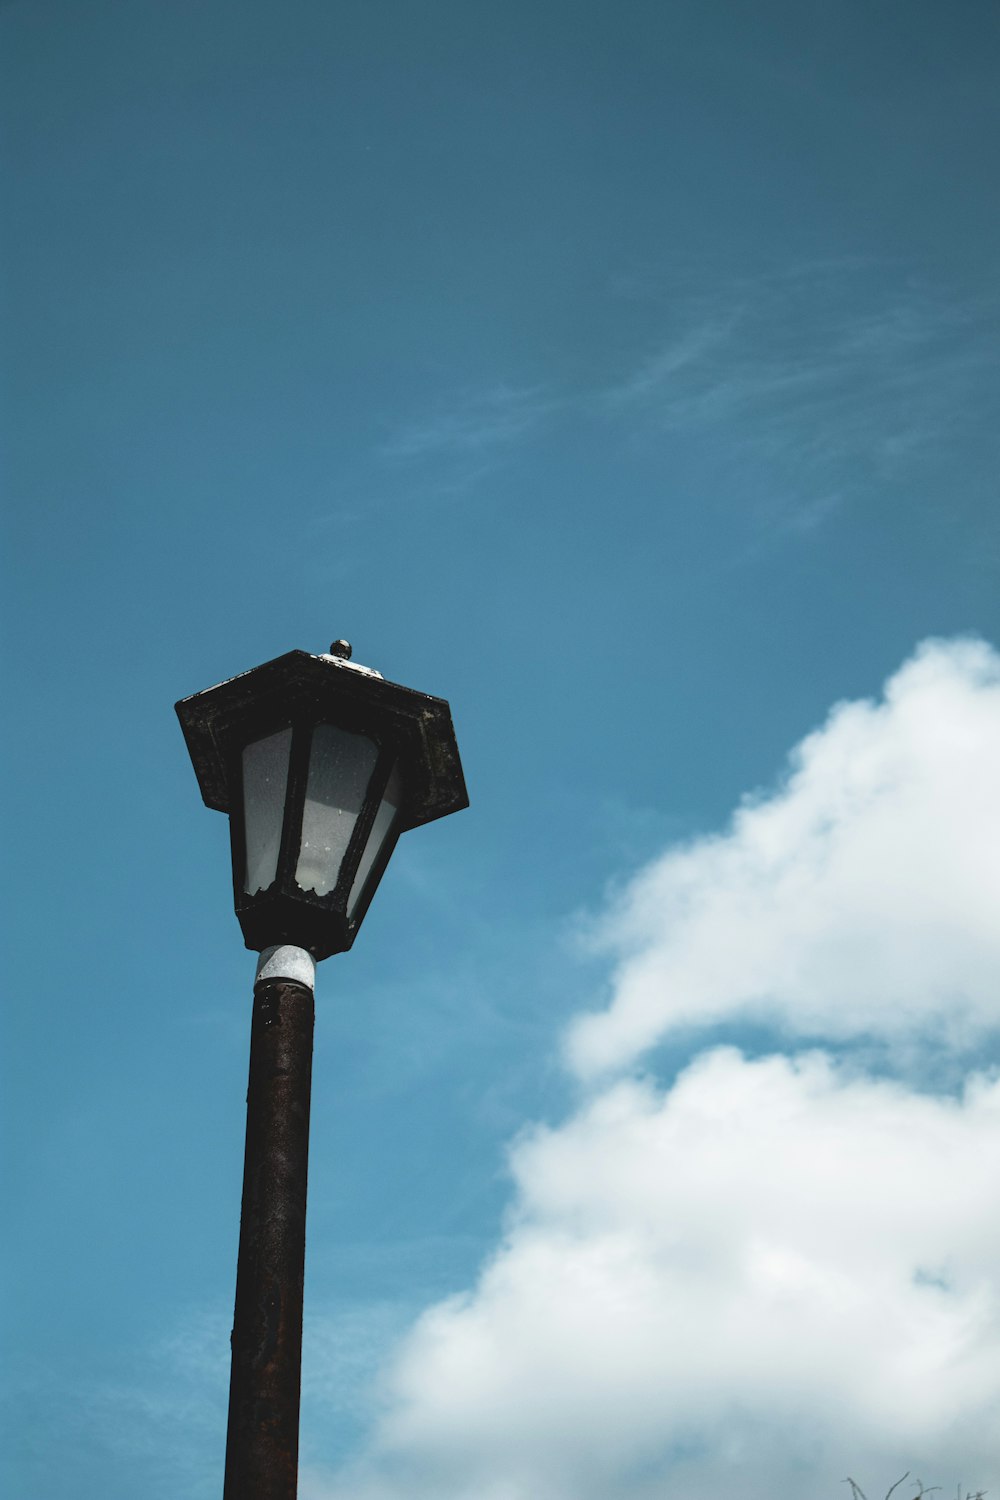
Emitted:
<point x="472" y="425"/>
<point x="832" y="375"/>
<point x="829" y="378"/>
<point x="687" y="352"/>
<point x="162" y="1416"/>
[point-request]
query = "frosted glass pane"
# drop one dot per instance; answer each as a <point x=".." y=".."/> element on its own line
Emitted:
<point x="340" y="768"/>
<point x="265" y="777"/>
<point x="384" y="819"/>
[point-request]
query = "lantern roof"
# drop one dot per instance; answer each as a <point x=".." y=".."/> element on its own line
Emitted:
<point x="300" y="687"/>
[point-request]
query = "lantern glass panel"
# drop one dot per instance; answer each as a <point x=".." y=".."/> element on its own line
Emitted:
<point x="340" y="768"/>
<point x="380" y="830"/>
<point x="265" y="779"/>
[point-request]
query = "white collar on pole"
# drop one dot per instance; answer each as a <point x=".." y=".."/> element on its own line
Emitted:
<point x="287" y="962"/>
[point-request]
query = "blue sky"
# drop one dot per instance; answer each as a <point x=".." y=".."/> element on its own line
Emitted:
<point x="625" y="375"/>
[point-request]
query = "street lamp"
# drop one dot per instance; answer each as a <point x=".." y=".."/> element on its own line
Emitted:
<point x="321" y="764"/>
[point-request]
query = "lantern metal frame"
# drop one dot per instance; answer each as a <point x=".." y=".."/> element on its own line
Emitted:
<point x="300" y="692"/>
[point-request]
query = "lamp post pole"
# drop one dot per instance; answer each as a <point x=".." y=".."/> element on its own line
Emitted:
<point x="263" y="1435"/>
<point x="321" y="765"/>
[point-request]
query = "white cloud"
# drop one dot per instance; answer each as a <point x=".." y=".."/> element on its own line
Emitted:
<point x="769" y="1277"/>
<point x="859" y="898"/>
<point x="777" y="1271"/>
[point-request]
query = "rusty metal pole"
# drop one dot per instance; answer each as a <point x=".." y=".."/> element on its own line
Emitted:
<point x="262" y="1443"/>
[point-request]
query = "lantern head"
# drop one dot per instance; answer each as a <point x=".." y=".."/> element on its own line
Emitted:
<point x="321" y="765"/>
